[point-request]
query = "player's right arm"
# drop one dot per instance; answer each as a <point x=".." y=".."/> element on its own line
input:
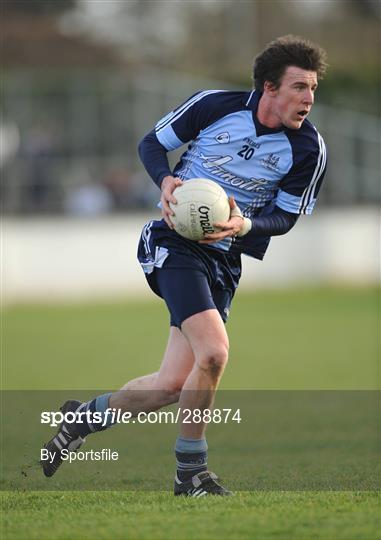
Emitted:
<point x="178" y="127"/>
<point x="154" y="158"/>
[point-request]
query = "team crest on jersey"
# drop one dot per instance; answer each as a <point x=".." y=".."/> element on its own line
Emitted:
<point x="223" y="138"/>
<point x="271" y="162"/>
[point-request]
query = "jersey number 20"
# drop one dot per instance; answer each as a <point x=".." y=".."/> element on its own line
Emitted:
<point x="246" y="152"/>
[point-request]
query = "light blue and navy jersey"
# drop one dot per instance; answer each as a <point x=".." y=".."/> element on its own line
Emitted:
<point x="262" y="168"/>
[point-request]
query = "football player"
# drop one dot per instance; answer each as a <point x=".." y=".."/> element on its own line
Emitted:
<point x="270" y="159"/>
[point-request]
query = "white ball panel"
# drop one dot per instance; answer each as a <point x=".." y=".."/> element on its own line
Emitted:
<point x="201" y="202"/>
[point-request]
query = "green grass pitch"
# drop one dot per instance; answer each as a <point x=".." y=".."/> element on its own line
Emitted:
<point x="295" y="339"/>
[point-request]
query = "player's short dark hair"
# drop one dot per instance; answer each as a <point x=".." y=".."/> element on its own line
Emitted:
<point x="283" y="52"/>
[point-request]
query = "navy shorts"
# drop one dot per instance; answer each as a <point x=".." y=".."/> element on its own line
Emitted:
<point x="190" y="277"/>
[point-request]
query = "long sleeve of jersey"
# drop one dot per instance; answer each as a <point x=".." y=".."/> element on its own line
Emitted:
<point x="275" y="224"/>
<point x="154" y="157"/>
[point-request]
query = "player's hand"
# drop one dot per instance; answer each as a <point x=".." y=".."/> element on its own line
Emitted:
<point x="227" y="228"/>
<point x="168" y="185"/>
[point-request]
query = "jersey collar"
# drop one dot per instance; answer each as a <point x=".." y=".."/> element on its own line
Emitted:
<point x="252" y="102"/>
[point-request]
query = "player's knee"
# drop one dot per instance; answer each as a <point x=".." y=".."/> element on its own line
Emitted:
<point x="215" y="359"/>
<point x="169" y="389"/>
<point x="173" y="387"/>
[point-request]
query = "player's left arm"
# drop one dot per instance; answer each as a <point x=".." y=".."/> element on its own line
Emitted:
<point x="276" y="223"/>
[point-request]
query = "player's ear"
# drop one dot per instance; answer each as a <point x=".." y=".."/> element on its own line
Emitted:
<point x="270" y="88"/>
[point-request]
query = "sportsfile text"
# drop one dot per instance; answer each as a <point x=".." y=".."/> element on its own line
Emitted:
<point x="187" y="416"/>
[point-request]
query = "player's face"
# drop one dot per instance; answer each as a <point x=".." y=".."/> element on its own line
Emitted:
<point x="294" y="98"/>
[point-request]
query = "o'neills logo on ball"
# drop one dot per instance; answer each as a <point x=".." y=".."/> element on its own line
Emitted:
<point x="204" y="219"/>
<point x="193" y="218"/>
